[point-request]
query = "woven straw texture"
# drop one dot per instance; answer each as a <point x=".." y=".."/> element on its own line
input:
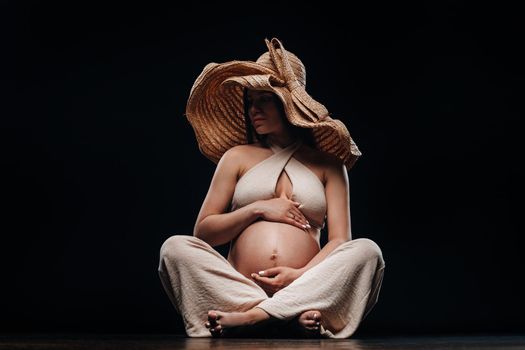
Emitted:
<point x="215" y="106"/>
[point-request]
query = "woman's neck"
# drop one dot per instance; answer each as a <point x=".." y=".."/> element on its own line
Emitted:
<point x="283" y="140"/>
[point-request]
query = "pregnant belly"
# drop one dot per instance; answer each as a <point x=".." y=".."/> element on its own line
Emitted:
<point x="266" y="244"/>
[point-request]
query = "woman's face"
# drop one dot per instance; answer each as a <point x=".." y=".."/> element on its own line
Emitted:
<point x="264" y="112"/>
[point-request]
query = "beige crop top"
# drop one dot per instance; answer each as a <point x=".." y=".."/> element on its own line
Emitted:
<point x="260" y="181"/>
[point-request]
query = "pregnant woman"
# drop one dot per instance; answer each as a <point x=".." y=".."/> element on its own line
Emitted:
<point x="281" y="174"/>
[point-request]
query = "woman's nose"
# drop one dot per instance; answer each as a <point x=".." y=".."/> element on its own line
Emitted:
<point x="254" y="107"/>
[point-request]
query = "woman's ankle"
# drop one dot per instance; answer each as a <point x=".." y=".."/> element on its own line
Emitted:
<point x="257" y="315"/>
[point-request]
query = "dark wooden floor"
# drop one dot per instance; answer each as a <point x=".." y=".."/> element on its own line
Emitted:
<point x="157" y="342"/>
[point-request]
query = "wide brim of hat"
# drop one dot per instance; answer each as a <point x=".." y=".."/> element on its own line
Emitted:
<point x="215" y="111"/>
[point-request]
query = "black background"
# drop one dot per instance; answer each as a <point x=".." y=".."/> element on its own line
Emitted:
<point x="101" y="165"/>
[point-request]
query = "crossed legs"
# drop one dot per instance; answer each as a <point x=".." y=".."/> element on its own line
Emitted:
<point x="213" y="297"/>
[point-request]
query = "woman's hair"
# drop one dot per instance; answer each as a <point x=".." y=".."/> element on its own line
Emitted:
<point x="305" y="134"/>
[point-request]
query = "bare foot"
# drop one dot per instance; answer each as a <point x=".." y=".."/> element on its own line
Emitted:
<point x="311" y="321"/>
<point x="213" y="325"/>
<point x="219" y="321"/>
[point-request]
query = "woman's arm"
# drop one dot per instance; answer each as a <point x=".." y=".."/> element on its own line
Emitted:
<point x="217" y="229"/>
<point x="337" y="191"/>
<point x="213" y="225"/>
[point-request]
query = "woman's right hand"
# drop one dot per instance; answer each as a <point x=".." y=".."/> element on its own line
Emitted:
<point x="284" y="210"/>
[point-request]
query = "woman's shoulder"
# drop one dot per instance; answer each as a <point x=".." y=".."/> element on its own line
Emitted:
<point x="245" y="148"/>
<point x="240" y="153"/>
<point x="242" y="157"/>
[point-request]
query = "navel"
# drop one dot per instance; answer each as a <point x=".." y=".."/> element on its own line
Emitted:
<point x="274" y="254"/>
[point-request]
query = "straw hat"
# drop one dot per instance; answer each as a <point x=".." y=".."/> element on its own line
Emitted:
<point x="215" y="106"/>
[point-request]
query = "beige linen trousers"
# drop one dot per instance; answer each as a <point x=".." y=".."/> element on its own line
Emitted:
<point x="344" y="286"/>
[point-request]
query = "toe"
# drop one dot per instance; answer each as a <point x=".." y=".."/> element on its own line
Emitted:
<point x="215" y="328"/>
<point x="315" y="315"/>
<point x="308" y="323"/>
<point x="213" y="317"/>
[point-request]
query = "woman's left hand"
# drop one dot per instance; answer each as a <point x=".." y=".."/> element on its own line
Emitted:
<point x="276" y="278"/>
